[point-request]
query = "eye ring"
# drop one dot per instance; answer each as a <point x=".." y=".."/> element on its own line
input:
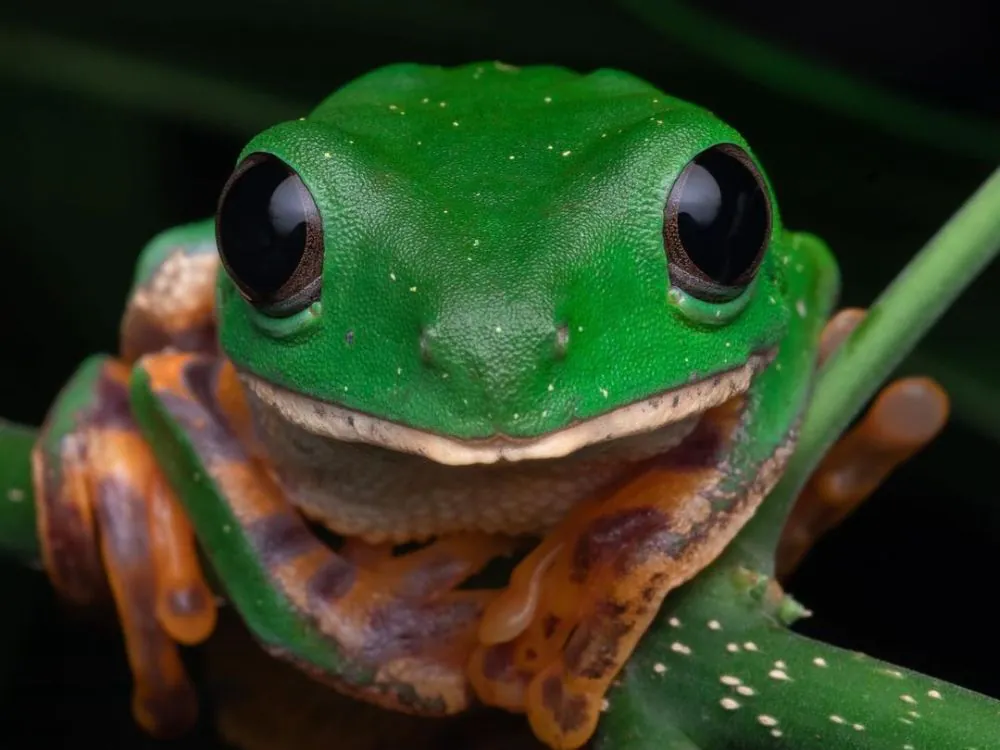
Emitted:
<point x="716" y="224"/>
<point x="270" y="236"/>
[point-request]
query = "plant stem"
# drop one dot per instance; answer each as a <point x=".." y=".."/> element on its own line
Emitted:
<point x="18" y="535"/>
<point x="897" y="320"/>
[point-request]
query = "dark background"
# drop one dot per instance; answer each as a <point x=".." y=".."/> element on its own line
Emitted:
<point x="123" y="118"/>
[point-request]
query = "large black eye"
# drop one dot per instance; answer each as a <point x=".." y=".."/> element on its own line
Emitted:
<point x="270" y="236"/>
<point x="716" y="226"/>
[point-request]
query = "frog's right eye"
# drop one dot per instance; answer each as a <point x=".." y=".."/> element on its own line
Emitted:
<point x="270" y="236"/>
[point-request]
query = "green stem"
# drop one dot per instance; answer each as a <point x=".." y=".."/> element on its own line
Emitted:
<point x="724" y="673"/>
<point x="18" y="535"/>
<point x="897" y="320"/>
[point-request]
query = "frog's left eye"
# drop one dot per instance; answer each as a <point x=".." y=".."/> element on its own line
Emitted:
<point x="270" y="236"/>
<point x="716" y="224"/>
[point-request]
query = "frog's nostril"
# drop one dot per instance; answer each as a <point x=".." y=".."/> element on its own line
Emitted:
<point x="562" y="340"/>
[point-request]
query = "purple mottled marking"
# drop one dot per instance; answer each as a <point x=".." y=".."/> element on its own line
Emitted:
<point x="330" y="582"/>
<point x="280" y="538"/>
<point x="403" y="628"/>
<point x="110" y="408"/>
<point x="569" y="713"/>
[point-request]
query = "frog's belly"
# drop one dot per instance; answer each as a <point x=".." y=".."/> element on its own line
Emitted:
<point x="382" y="495"/>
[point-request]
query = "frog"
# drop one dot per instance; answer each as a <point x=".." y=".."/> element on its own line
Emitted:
<point x="451" y="316"/>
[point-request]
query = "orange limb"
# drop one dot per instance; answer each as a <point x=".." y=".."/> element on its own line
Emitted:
<point x="576" y="607"/>
<point x="104" y="472"/>
<point x="903" y="419"/>
<point x="400" y="625"/>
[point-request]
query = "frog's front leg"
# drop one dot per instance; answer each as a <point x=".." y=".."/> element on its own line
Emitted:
<point x="394" y="630"/>
<point x="577" y="606"/>
<point x="109" y="520"/>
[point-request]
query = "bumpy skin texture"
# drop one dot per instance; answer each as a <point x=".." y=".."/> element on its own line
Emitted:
<point x="449" y="270"/>
<point x="450" y="266"/>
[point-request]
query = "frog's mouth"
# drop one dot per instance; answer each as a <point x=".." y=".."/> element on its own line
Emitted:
<point x="675" y="406"/>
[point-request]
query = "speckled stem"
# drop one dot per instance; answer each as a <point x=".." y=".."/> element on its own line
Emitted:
<point x="721" y="671"/>
<point x="895" y="323"/>
<point x="18" y="537"/>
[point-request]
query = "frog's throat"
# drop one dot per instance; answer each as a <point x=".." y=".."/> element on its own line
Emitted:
<point x="339" y="423"/>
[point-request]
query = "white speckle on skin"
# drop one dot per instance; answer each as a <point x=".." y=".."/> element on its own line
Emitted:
<point x="15" y="495"/>
<point x="327" y="155"/>
<point x="547" y="100"/>
<point x="659" y="668"/>
<point x="445" y="104"/>
<point x="859" y="727"/>
<point x="679" y="648"/>
<point x="604" y="705"/>
<point x="746" y="690"/>
<point x="498" y="329"/>
<point x="778" y="674"/>
<point x="934" y="694"/>
<point x="732" y="647"/>
<point x="567" y="152"/>
<point x="750" y="646"/>
<point x="392" y="276"/>
<point x="908" y="746"/>
<point x="226" y="528"/>
<point x="905" y="720"/>
<point x="819" y="661"/>
<point x="579" y="329"/>
<point x="908" y="699"/>
<point x="454" y="123"/>
<point x="714" y="625"/>
<point x="399" y="370"/>
<point x="767" y="721"/>
<point x="800" y="308"/>
<point x="780" y="664"/>
<point x="604" y="392"/>
<point x="731" y="680"/>
<point x="512" y="157"/>
<point x="776" y="733"/>
<point x="552" y="387"/>
<point x="892" y="673"/>
<point x="393" y="107"/>
<point x="674" y="622"/>
<point x="729" y="704"/>
<point x="836" y="719"/>
<point x="413" y="289"/>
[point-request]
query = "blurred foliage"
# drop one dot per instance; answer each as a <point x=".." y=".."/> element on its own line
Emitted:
<point x="125" y="117"/>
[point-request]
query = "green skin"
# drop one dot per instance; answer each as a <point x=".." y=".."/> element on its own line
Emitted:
<point x="492" y="275"/>
<point x="433" y="227"/>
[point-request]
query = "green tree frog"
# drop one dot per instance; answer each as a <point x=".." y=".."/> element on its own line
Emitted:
<point x="453" y="315"/>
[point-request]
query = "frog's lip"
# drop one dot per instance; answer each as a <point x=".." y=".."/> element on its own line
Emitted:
<point x="340" y="423"/>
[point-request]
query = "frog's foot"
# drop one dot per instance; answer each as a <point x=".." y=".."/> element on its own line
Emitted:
<point x="902" y="420"/>
<point x="575" y="608"/>
<point x="108" y="519"/>
<point x="905" y="417"/>
<point x="394" y="629"/>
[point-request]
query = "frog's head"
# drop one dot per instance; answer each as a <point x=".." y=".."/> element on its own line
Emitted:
<point x="482" y="263"/>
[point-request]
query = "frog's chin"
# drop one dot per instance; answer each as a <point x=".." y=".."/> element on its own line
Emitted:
<point x="331" y="421"/>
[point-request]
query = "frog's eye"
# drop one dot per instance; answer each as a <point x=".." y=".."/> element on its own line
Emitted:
<point x="270" y="236"/>
<point x="716" y="226"/>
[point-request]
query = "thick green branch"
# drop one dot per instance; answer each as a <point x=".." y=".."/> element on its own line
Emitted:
<point x="18" y="537"/>
<point x="721" y="671"/>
